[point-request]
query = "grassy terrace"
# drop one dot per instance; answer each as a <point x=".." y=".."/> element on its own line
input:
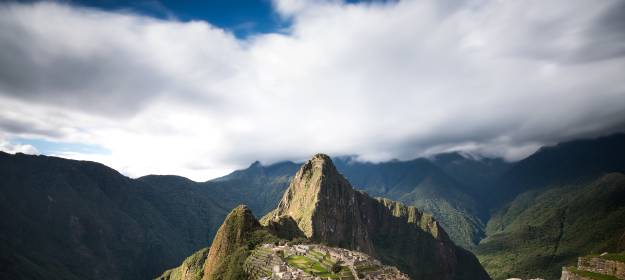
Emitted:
<point x="592" y="275"/>
<point x="310" y="266"/>
<point x="315" y="268"/>
<point x="321" y="258"/>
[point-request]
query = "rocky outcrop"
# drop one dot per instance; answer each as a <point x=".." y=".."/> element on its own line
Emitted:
<point x="224" y="260"/>
<point x="412" y="215"/>
<point x="328" y="210"/>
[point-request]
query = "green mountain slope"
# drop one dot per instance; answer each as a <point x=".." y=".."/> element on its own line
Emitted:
<point x="530" y="199"/>
<point x="64" y="219"/>
<point x="192" y="268"/>
<point x="239" y="233"/>
<point x="445" y="186"/>
<point x="544" y="229"/>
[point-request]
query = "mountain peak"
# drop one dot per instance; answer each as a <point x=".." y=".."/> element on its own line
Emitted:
<point x="322" y="204"/>
<point x="241" y="210"/>
<point x="322" y="157"/>
<point x="319" y="199"/>
<point x="230" y="236"/>
<point x="319" y="163"/>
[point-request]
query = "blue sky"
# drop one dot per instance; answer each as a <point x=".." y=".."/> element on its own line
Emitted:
<point x="59" y="148"/>
<point x="242" y="17"/>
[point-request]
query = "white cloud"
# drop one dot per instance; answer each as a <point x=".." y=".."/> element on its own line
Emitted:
<point x="383" y="80"/>
<point x="13" y="148"/>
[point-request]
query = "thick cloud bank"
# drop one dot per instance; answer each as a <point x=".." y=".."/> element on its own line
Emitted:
<point x="381" y="80"/>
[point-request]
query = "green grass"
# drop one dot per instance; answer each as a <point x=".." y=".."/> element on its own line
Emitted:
<point x="614" y="257"/>
<point x="316" y="254"/>
<point x="311" y="266"/>
<point x="591" y="275"/>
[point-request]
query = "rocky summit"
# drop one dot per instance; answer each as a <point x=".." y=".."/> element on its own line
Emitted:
<point x="324" y="206"/>
<point x="326" y="209"/>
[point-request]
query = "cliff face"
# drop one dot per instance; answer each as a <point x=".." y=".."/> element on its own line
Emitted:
<point x="327" y="209"/>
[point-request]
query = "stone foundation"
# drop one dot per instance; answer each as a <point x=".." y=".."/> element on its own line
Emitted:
<point x="602" y="266"/>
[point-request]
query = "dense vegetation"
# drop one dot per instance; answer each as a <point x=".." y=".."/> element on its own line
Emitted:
<point x="566" y="201"/>
<point x="63" y="219"/>
<point x="545" y="229"/>
<point x="191" y="268"/>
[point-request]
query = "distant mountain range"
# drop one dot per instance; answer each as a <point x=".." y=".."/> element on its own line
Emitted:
<point x="65" y="219"/>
